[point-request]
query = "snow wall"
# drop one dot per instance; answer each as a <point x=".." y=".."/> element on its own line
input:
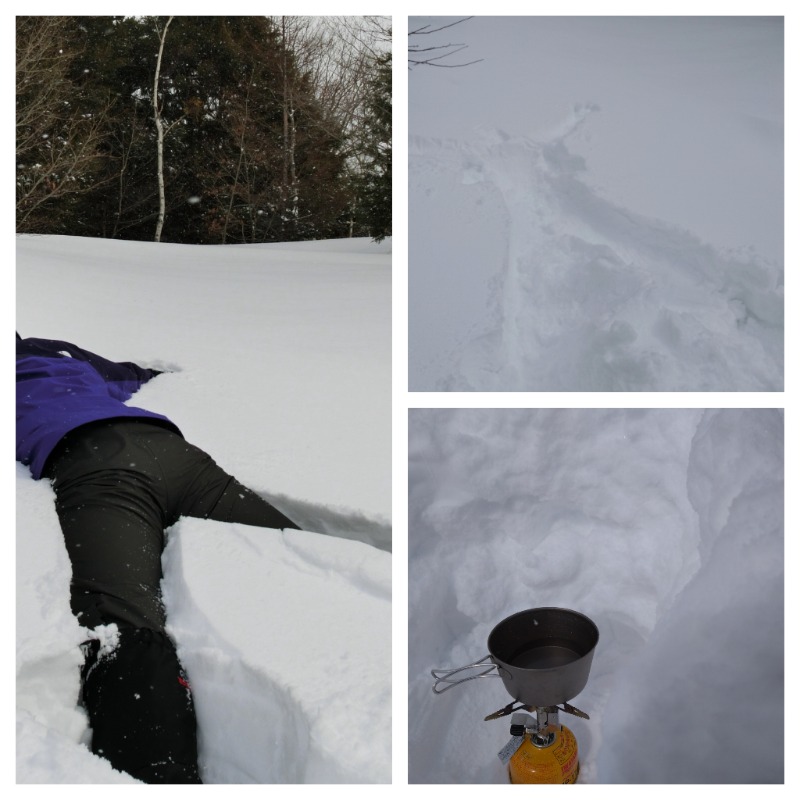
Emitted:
<point x="663" y="526"/>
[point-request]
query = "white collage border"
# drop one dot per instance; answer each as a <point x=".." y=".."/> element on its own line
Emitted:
<point x="402" y="400"/>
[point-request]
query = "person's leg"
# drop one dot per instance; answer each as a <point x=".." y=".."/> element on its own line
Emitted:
<point x="199" y="487"/>
<point x="114" y="543"/>
<point x="237" y="503"/>
<point x="137" y="697"/>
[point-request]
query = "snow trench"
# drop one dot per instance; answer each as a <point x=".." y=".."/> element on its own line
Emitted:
<point x="664" y="526"/>
<point x="342" y="523"/>
<point x="297" y="662"/>
<point x="523" y="277"/>
<point x="284" y="637"/>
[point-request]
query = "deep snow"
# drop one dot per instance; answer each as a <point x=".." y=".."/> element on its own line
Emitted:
<point x="280" y="368"/>
<point x="598" y="206"/>
<point x="664" y="526"/>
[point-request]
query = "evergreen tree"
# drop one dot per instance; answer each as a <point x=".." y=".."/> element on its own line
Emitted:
<point x="249" y="154"/>
<point x="374" y="184"/>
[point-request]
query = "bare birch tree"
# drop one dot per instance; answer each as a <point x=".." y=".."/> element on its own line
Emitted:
<point x="160" y="134"/>
<point x="289" y="186"/>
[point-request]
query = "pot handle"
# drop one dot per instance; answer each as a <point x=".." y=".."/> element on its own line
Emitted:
<point x="445" y="676"/>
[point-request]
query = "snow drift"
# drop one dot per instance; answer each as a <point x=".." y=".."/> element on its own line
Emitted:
<point x="279" y="366"/>
<point x="665" y="527"/>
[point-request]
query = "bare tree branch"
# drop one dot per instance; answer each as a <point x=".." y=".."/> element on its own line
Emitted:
<point x="426" y="29"/>
<point x="58" y="148"/>
<point x="444" y="50"/>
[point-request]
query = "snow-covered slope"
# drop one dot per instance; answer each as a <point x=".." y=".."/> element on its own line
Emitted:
<point x="664" y="526"/>
<point x="279" y="359"/>
<point x="599" y="209"/>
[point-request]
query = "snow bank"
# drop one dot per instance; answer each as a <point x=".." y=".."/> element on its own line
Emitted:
<point x="296" y="660"/>
<point x="279" y="359"/>
<point x="663" y="526"/>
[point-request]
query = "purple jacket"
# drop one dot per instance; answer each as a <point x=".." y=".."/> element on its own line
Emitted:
<point x="61" y="387"/>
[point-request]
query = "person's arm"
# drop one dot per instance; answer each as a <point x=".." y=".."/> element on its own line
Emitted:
<point x="123" y="376"/>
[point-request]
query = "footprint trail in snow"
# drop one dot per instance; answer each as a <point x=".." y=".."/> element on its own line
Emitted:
<point x="523" y="277"/>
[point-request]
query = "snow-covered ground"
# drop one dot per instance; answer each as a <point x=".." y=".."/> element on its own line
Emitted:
<point x="664" y="526"/>
<point x="279" y="365"/>
<point x="597" y="205"/>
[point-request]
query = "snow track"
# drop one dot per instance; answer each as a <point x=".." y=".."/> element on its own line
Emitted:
<point x="551" y="287"/>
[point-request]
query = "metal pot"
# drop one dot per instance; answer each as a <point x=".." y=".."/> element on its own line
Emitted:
<point x="543" y="656"/>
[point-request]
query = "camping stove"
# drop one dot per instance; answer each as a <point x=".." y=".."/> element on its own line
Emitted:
<point x="543" y="656"/>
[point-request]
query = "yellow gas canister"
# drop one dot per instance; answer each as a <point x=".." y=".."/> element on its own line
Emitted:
<point x="555" y="763"/>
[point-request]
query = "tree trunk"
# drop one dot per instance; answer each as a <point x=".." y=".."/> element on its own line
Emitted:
<point x="160" y="134"/>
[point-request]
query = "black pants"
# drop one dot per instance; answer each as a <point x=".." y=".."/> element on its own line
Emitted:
<point x="118" y="485"/>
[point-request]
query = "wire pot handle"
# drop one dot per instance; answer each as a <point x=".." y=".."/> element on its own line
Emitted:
<point x="444" y="677"/>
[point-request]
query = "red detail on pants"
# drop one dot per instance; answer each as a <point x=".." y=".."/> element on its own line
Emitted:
<point x="183" y="682"/>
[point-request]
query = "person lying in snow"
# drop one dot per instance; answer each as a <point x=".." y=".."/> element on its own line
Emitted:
<point x="121" y="475"/>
